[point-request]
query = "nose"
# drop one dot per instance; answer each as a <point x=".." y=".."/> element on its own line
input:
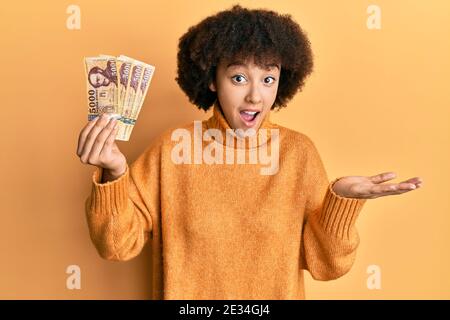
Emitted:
<point x="254" y="96"/>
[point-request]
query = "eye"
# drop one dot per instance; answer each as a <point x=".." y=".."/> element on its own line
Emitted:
<point x="269" y="78"/>
<point x="238" y="78"/>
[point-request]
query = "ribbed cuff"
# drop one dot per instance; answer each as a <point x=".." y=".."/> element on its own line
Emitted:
<point x="339" y="214"/>
<point x="110" y="196"/>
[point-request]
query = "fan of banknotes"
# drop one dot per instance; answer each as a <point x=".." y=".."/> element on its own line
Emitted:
<point x="117" y="86"/>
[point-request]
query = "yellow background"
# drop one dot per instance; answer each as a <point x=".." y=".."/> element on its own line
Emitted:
<point x="378" y="100"/>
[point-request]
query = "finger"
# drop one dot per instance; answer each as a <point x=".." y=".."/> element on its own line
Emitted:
<point x="391" y="189"/>
<point x="390" y="193"/>
<point x="403" y="186"/>
<point x="415" y="180"/>
<point x="101" y="138"/>
<point x="382" y="177"/>
<point x="111" y="138"/>
<point x="406" y="186"/>
<point x="98" y="127"/>
<point x="382" y="188"/>
<point x="83" y="134"/>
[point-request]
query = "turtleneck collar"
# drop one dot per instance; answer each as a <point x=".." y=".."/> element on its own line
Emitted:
<point x="218" y="121"/>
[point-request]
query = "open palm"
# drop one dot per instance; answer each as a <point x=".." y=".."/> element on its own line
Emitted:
<point x="373" y="186"/>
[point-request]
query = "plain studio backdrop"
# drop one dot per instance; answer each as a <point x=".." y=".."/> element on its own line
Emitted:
<point x="378" y="100"/>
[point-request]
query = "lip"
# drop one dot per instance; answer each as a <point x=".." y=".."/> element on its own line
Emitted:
<point x="249" y="109"/>
<point x="250" y="124"/>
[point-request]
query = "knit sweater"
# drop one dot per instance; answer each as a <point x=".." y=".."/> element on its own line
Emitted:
<point x="224" y="230"/>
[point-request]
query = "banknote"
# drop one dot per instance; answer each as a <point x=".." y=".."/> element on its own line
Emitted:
<point x="101" y="86"/>
<point x="124" y="70"/>
<point x="141" y="92"/>
<point x="143" y="88"/>
<point x="118" y="86"/>
<point x="130" y="97"/>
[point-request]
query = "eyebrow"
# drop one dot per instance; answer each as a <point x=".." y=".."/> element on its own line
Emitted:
<point x="238" y="63"/>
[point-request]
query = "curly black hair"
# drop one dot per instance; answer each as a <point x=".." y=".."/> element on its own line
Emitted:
<point x="241" y="34"/>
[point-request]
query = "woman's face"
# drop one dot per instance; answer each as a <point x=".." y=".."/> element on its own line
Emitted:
<point x="97" y="79"/>
<point x="246" y="92"/>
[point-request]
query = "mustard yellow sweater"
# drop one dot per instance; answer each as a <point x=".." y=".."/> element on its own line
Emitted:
<point x="226" y="231"/>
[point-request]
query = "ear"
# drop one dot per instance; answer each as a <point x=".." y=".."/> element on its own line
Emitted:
<point x="212" y="86"/>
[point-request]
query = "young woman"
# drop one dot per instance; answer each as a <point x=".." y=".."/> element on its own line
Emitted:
<point x="220" y="228"/>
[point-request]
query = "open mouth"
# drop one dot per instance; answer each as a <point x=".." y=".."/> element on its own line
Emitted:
<point x="249" y="117"/>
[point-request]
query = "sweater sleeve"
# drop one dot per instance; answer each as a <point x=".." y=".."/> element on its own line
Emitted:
<point x="329" y="235"/>
<point x="121" y="214"/>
